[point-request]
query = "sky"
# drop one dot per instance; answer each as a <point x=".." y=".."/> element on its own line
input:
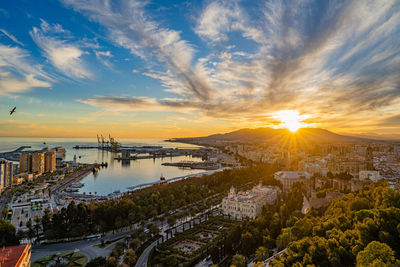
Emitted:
<point x="163" y="69"/>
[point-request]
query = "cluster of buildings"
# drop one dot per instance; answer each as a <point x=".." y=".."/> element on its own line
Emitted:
<point x="351" y="158"/>
<point x="327" y="171"/>
<point x="31" y="164"/>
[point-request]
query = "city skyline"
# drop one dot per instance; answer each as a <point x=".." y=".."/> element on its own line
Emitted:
<point x="181" y="68"/>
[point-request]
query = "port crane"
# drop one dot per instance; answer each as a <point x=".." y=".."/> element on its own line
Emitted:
<point x="102" y="140"/>
<point x="109" y="144"/>
<point x="114" y="144"/>
<point x="98" y="141"/>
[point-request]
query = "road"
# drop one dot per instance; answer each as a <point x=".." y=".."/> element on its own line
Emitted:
<point x="85" y="246"/>
<point x="142" y="261"/>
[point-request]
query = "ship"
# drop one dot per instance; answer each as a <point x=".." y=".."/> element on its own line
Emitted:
<point x="162" y="179"/>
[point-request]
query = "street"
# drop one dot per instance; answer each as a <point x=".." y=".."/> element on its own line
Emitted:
<point x="85" y="246"/>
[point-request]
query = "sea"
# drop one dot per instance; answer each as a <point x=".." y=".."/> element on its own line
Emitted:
<point x="118" y="175"/>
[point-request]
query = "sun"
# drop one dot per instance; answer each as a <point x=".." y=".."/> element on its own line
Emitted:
<point x="290" y="119"/>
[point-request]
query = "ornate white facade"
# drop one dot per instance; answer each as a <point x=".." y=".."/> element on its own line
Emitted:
<point x="249" y="204"/>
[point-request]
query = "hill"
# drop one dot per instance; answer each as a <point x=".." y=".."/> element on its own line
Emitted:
<point x="270" y="135"/>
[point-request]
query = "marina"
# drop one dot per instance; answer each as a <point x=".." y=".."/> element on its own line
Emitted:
<point x="119" y="174"/>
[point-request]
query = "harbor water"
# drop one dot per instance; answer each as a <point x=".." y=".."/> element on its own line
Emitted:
<point x="118" y="175"/>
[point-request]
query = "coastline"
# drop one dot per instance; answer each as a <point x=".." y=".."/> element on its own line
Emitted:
<point x="174" y="179"/>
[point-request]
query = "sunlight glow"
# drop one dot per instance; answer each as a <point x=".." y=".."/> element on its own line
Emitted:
<point x="291" y="119"/>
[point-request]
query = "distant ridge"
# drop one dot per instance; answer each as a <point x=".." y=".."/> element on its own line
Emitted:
<point x="270" y="135"/>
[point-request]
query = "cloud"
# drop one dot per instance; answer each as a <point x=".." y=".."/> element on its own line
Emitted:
<point x="17" y="74"/>
<point x="221" y="17"/>
<point x="12" y="37"/>
<point x="102" y="57"/>
<point x="330" y="59"/>
<point x="390" y="121"/>
<point x="130" y="27"/>
<point x="65" y="56"/>
<point x="137" y="104"/>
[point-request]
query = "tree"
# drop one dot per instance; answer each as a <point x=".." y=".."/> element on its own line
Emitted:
<point x="37" y="226"/>
<point x="21" y="234"/>
<point x="135" y="244"/>
<point x="239" y="261"/>
<point x="377" y="254"/>
<point x="214" y="253"/>
<point x="111" y="261"/>
<point x="171" y="260"/>
<point x="360" y="204"/>
<point x="248" y="243"/>
<point x="171" y="220"/>
<point x="130" y="257"/>
<point x="262" y="253"/>
<point x="154" y="230"/>
<point x="7" y="234"/>
<point x="97" y="262"/>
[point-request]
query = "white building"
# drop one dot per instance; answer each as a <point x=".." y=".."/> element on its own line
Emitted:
<point x="249" y="204"/>
<point x="371" y="175"/>
<point x="289" y="178"/>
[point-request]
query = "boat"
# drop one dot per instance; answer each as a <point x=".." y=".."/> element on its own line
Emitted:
<point x="76" y="185"/>
<point x="162" y="178"/>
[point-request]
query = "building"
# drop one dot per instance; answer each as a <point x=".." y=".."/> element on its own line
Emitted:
<point x="15" y="256"/>
<point x="25" y="163"/>
<point x="37" y="162"/>
<point x="369" y="159"/>
<point x="249" y="204"/>
<point x="6" y="173"/>
<point x="2" y="181"/>
<point x="347" y="166"/>
<point x="22" y="177"/>
<point x="289" y="178"/>
<point x="50" y="161"/>
<point x="371" y="175"/>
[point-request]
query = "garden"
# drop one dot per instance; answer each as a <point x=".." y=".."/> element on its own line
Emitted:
<point x="187" y="248"/>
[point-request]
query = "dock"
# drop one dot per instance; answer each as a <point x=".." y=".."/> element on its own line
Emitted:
<point x="194" y="165"/>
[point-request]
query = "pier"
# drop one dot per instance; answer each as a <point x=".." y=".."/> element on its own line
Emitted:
<point x="194" y="165"/>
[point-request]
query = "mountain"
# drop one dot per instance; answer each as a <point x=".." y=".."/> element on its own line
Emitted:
<point x="270" y="135"/>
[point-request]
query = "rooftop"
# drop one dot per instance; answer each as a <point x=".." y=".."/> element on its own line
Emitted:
<point x="13" y="255"/>
<point x="293" y="174"/>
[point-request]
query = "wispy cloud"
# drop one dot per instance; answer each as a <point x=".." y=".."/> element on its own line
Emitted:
<point x="65" y="56"/>
<point x="17" y="73"/>
<point x="12" y="37"/>
<point x="124" y="103"/>
<point x="130" y="27"/>
<point x="223" y="16"/>
<point x="330" y="58"/>
<point x="103" y="57"/>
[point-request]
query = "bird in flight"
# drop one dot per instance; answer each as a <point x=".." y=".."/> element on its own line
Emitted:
<point x="13" y="110"/>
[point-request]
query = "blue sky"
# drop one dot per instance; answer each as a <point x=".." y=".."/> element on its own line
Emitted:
<point x="186" y="68"/>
